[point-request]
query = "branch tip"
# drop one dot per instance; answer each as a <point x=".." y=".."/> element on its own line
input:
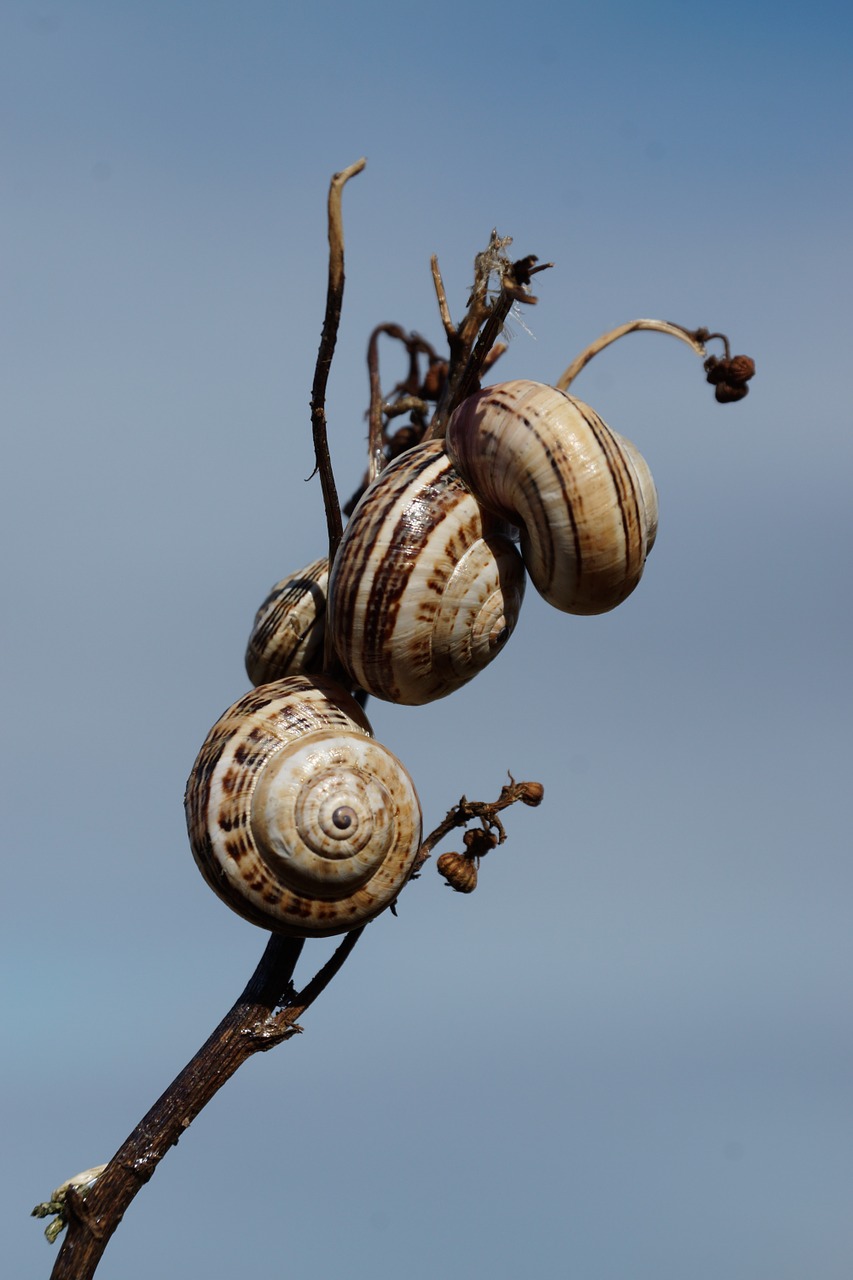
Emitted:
<point x="729" y="375"/>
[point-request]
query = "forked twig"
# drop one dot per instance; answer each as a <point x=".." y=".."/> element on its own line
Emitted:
<point x="529" y="793"/>
<point x="471" y="345"/>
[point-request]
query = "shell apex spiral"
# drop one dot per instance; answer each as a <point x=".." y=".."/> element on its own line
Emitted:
<point x="298" y="818"/>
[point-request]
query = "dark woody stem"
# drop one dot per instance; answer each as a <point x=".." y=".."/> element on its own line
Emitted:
<point x="328" y="340"/>
<point x="265" y="1015"/>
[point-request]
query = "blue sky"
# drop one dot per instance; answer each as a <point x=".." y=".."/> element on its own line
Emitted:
<point x="629" y="1053"/>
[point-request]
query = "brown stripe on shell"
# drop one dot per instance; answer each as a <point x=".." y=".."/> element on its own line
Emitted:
<point x="540" y="457"/>
<point x="370" y="572"/>
<point x="287" y="636"/>
<point x="630" y="555"/>
<point x="311" y="753"/>
<point x="426" y="587"/>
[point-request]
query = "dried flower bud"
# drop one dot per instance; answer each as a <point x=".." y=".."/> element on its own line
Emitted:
<point x="459" y="872"/>
<point x="522" y="270"/>
<point x="741" y="369"/>
<point x="403" y="438"/>
<point x="434" y="380"/>
<point x="479" y="842"/>
<point x="726" y="393"/>
<point x="531" y="793"/>
<point x="729" y="377"/>
<point x="715" y="370"/>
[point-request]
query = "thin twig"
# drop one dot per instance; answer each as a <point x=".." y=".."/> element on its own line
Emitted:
<point x="468" y="351"/>
<point x="693" y="337"/>
<point x="406" y="404"/>
<point x="529" y="793"/>
<point x="441" y="297"/>
<point x="334" y="300"/>
<point x="303" y="999"/>
<point x="729" y="376"/>
<point x="375" y="437"/>
<point x="469" y="377"/>
<point x="266" y="1012"/>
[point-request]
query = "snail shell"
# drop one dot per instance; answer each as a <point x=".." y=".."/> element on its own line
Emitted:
<point x="297" y="817"/>
<point x="426" y="587"/>
<point x="583" y="496"/>
<point x="287" y="637"/>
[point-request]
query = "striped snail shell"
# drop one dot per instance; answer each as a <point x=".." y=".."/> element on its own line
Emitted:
<point x="582" y="496"/>
<point x="287" y="637"/>
<point x="426" y="586"/>
<point x="298" y="818"/>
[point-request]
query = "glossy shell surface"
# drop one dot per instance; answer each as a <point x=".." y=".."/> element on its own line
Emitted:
<point x="298" y="818"/>
<point x="426" y="587"/>
<point x="582" y="496"/>
<point x="287" y="637"/>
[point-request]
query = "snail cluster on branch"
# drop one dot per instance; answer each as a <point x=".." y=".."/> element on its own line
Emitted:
<point x="428" y="582"/>
<point x="298" y="818"/>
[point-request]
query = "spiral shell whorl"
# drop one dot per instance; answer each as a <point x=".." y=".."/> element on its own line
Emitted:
<point x="297" y="817"/>
<point x="426" y="588"/>
<point x="545" y="461"/>
<point x="287" y="636"/>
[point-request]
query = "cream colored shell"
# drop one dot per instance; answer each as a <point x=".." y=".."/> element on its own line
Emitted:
<point x="287" y="637"/>
<point x="426" y="586"/>
<point x="298" y="818"/>
<point x="582" y="496"/>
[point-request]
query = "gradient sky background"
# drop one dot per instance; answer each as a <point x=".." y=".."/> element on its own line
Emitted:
<point x="629" y="1054"/>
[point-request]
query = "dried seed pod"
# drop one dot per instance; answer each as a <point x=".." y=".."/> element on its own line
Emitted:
<point x="478" y="842"/>
<point x="459" y="872"/>
<point x="532" y="793"/>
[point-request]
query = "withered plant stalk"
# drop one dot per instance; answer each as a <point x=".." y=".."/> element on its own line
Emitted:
<point x="267" y="1011"/>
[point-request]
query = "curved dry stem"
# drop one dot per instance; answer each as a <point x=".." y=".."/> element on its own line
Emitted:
<point x="693" y="337"/>
<point x="328" y="340"/>
<point x="375" y="435"/>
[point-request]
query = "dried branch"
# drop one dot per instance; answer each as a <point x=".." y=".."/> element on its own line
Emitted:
<point x="264" y="1015"/>
<point x="441" y="297"/>
<point x="693" y="338"/>
<point x="376" y="435"/>
<point x="328" y="340"/>
<point x="484" y="317"/>
<point x="529" y="793"/>
<point x="728" y="376"/>
<point x="410" y="396"/>
<point x="252" y="1025"/>
<point x="93" y="1204"/>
